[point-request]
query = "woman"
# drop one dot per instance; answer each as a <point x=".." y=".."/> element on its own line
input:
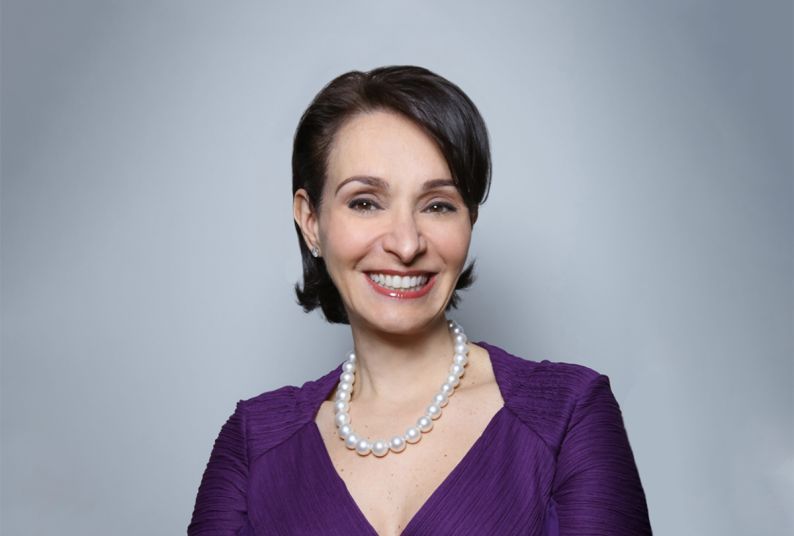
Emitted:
<point x="418" y="431"/>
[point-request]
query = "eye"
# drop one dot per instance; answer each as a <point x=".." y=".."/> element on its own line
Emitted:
<point x="363" y="204"/>
<point x="441" y="207"/>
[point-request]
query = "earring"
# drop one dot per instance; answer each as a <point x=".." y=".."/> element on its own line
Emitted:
<point x="315" y="252"/>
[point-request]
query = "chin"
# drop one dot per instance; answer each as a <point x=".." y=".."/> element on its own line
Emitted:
<point x="400" y="316"/>
<point x="402" y="323"/>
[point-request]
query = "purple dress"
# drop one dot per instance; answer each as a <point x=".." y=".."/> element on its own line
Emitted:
<point x="553" y="461"/>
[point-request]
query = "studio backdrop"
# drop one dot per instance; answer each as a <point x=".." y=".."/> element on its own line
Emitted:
<point x="639" y="223"/>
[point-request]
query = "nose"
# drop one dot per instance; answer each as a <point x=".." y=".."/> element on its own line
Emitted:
<point x="404" y="238"/>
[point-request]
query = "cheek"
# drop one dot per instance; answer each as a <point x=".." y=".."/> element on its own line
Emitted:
<point x="453" y="245"/>
<point x="344" y="243"/>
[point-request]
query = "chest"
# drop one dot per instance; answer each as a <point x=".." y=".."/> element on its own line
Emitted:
<point x="390" y="491"/>
<point x="501" y="486"/>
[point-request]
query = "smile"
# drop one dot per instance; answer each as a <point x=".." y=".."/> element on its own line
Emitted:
<point x="401" y="286"/>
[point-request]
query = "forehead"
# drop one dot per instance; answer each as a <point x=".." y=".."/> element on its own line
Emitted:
<point x="387" y="145"/>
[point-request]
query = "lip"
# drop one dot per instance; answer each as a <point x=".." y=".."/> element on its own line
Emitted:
<point x="409" y="273"/>
<point x="402" y="294"/>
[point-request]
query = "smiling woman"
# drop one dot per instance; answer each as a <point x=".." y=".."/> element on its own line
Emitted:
<point x="332" y="143"/>
<point x="389" y="170"/>
<point x="409" y="221"/>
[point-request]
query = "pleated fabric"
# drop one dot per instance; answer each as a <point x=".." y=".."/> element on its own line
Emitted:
<point x="554" y="461"/>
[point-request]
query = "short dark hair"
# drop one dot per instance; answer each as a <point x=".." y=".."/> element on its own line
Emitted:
<point x="432" y="102"/>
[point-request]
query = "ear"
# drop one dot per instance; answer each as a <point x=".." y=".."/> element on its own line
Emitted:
<point x="306" y="217"/>
<point x="473" y="213"/>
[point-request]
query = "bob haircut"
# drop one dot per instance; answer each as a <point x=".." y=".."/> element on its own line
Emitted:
<point x="433" y="103"/>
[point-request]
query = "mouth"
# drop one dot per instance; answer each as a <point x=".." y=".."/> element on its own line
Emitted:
<point x="401" y="285"/>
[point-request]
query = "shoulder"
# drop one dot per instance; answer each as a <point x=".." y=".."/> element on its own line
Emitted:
<point x="272" y="417"/>
<point x="542" y="394"/>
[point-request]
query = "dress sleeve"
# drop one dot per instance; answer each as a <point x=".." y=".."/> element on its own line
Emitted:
<point x="221" y="504"/>
<point x="597" y="487"/>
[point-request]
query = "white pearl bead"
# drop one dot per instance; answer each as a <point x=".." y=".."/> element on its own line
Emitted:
<point x="412" y="435"/>
<point x="351" y="440"/>
<point x="363" y="447"/>
<point x="433" y="411"/>
<point x="425" y="423"/>
<point x="343" y="397"/>
<point x="397" y="444"/>
<point x="441" y="400"/>
<point x="342" y="419"/>
<point x="380" y="448"/>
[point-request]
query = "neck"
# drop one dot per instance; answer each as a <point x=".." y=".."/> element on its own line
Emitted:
<point x="401" y="368"/>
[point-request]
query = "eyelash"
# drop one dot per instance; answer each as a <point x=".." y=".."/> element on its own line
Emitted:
<point x="358" y="205"/>
<point x="445" y="207"/>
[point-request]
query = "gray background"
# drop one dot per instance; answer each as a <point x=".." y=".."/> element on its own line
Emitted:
<point x="640" y="223"/>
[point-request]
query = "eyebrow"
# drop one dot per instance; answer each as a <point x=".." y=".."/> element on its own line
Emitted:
<point x="437" y="183"/>
<point x="366" y="179"/>
<point x="377" y="182"/>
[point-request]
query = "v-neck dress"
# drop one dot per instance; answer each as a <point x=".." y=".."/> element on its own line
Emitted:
<point x="555" y="460"/>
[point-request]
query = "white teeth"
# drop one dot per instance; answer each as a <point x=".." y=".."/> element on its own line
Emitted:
<point x="397" y="282"/>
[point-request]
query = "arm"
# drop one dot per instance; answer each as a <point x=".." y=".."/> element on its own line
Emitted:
<point x="221" y="503"/>
<point x="597" y="487"/>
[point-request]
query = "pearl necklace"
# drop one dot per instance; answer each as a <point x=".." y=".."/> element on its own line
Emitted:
<point x="424" y="424"/>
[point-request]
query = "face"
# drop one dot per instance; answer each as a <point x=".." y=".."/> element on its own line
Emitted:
<point x="392" y="228"/>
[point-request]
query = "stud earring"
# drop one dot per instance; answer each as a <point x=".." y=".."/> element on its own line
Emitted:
<point x="315" y="252"/>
